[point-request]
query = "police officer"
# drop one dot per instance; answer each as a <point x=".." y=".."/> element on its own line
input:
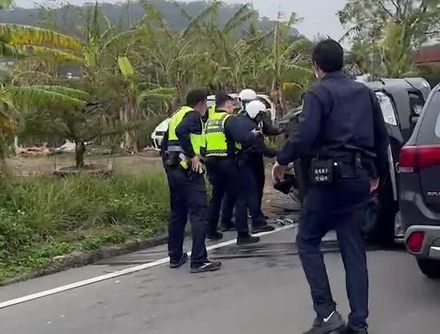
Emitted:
<point x="222" y="131"/>
<point x="248" y="153"/>
<point x="342" y="124"/>
<point x="188" y="197"/>
<point x="263" y="122"/>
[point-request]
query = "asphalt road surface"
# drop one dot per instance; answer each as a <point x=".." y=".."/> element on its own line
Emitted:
<point x="260" y="290"/>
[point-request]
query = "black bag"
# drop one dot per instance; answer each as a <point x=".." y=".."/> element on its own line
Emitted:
<point x="321" y="171"/>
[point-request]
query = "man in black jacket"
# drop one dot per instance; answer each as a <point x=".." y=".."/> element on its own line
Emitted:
<point x="342" y="126"/>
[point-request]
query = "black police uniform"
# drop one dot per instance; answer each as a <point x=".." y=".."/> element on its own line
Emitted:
<point x="223" y="173"/>
<point x="188" y="197"/>
<point x="250" y="154"/>
<point x="342" y="124"/>
<point x="269" y="130"/>
<point x="256" y="162"/>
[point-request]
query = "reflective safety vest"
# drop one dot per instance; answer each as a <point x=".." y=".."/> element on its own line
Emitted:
<point x="216" y="142"/>
<point x="197" y="140"/>
<point x="211" y="112"/>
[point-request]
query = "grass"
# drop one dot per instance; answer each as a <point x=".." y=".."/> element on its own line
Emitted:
<point x="43" y="217"/>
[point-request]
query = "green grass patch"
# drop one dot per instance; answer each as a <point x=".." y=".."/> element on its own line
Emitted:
<point x="44" y="217"/>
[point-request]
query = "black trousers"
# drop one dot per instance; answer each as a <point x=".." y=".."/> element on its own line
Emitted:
<point x="223" y="174"/>
<point x="253" y="179"/>
<point x="341" y="207"/>
<point x="188" y="197"/>
<point x="257" y="166"/>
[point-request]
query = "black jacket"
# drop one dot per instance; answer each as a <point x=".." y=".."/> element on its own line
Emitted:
<point x="339" y="115"/>
<point x="245" y="131"/>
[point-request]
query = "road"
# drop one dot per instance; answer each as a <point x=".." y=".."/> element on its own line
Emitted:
<point x="260" y="290"/>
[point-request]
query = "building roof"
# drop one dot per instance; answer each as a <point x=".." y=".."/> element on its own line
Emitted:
<point x="427" y="55"/>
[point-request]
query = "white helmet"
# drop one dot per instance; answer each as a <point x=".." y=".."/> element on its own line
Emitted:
<point x="248" y="95"/>
<point x="253" y="108"/>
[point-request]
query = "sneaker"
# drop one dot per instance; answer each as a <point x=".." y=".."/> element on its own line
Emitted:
<point x="181" y="262"/>
<point x="247" y="240"/>
<point x="205" y="267"/>
<point x="214" y="236"/>
<point x="327" y="325"/>
<point x="262" y="228"/>
<point x="350" y="330"/>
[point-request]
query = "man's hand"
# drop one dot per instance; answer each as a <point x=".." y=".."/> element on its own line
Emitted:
<point x="279" y="171"/>
<point x="196" y="165"/>
<point x="374" y="184"/>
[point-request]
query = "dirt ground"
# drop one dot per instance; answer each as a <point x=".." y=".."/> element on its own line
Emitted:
<point x="38" y="165"/>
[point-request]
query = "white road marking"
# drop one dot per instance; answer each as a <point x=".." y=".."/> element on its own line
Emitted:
<point x="118" y="273"/>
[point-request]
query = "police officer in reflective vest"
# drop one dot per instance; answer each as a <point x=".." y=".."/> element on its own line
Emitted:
<point x="222" y="131"/>
<point x="185" y="172"/>
<point x="343" y="128"/>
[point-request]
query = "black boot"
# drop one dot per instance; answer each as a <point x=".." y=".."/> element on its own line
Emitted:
<point x="327" y="325"/>
<point x="214" y="236"/>
<point x="228" y="228"/>
<point x="246" y="239"/>
<point x="180" y="262"/>
<point x="351" y="330"/>
<point x="262" y="228"/>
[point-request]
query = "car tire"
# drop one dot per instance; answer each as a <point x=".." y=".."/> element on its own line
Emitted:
<point x="430" y="268"/>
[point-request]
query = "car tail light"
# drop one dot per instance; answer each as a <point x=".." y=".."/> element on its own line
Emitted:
<point x="415" y="242"/>
<point x="414" y="158"/>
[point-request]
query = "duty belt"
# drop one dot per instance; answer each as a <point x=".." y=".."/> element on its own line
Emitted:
<point x="175" y="148"/>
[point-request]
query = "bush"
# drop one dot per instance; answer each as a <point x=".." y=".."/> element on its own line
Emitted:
<point x="42" y="217"/>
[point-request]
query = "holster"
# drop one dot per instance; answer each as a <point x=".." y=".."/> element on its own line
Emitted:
<point x="171" y="159"/>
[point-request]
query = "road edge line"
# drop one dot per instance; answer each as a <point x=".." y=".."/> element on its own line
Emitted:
<point x="118" y="273"/>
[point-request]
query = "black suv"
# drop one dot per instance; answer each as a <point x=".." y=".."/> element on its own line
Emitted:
<point x="401" y="101"/>
<point x="419" y="169"/>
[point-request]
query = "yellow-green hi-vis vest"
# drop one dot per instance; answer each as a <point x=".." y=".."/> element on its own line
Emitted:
<point x="216" y="142"/>
<point x="197" y="140"/>
<point x="211" y="112"/>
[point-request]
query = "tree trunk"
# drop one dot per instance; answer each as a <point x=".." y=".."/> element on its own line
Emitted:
<point x="80" y="150"/>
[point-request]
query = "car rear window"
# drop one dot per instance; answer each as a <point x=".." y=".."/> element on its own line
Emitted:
<point x="429" y="132"/>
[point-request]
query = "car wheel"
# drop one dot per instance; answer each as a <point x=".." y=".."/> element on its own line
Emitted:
<point x="430" y="268"/>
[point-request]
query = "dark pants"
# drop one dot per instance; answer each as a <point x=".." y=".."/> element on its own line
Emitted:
<point x="257" y="164"/>
<point x="225" y="179"/>
<point x="340" y="207"/>
<point x="251" y="186"/>
<point x="227" y="210"/>
<point x="188" y="197"/>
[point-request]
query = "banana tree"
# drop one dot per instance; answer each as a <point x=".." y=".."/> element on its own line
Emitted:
<point x="18" y="100"/>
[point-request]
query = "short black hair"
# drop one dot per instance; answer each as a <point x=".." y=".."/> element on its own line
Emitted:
<point x="329" y="56"/>
<point x="221" y="98"/>
<point x="196" y="96"/>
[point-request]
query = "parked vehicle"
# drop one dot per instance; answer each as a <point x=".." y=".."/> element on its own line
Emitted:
<point x="419" y="169"/>
<point x="401" y="101"/>
<point x="160" y="130"/>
